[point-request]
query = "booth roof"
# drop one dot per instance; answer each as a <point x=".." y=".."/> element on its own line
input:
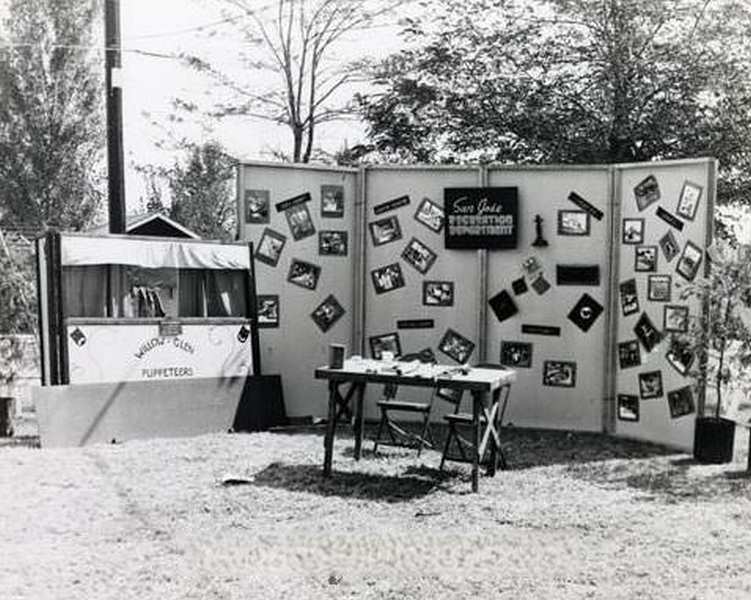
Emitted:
<point x="79" y="250"/>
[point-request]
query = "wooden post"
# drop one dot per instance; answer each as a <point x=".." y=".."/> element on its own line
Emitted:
<point x="114" y="102"/>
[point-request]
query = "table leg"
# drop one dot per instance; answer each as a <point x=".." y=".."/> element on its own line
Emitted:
<point x="476" y="403"/>
<point x="494" y="449"/>
<point x="360" y="392"/>
<point x="328" y="440"/>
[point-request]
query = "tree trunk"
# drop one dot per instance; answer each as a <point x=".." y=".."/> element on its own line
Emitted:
<point x="309" y="142"/>
<point x="297" y="135"/>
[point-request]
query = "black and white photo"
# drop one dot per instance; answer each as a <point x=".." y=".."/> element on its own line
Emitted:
<point x="385" y="230"/>
<point x="332" y="243"/>
<point x="267" y="310"/>
<point x="573" y="222"/>
<point x="645" y="258"/>
<point x="646" y="192"/>
<point x="332" y="201"/>
<point x="456" y="346"/>
<point x="299" y="221"/>
<point x="629" y="297"/>
<point x="629" y="354"/>
<point x="688" y="201"/>
<point x="387" y="278"/>
<point x="647" y="333"/>
<point x="559" y="373"/>
<point x="658" y="288"/>
<point x="270" y="247"/>
<point x="585" y="312"/>
<point x="650" y="385"/>
<point x="387" y="342"/>
<point x="628" y="407"/>
<point x="303" y="274"/>
<point x="681" y="402"/>
<point x="688" y="263"/>
<point x="516" y="354"/>
<point x="633" y="231"/>
<point x="675" y="318"/>
<point x="430" y="214"/>
<point x="327" y="313"/>
<point x="419" y="255"/>
<point x="438" y="293"/>
<point x="680" y="355"/>
<point x="257" y="206"/>
<point x="669" y="246"/>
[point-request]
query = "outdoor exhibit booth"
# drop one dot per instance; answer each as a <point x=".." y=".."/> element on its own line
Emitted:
<point x="142" y="336"/>
<point x="571" y="275"/>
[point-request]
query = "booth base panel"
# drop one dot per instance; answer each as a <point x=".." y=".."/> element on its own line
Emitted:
<point x="82" y="414"/>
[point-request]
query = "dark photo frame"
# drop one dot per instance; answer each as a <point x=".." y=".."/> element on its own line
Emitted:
<point x="438" y="293"/>
<point x="559" y="373"/>
<point x="299" y="221"/>
<point x="647" y="333"/>
<point x="689" y="262"/>
<point x="669" y="246"/>
<point x="303" y="274"/>
<point x="267" y="310"/>
<point x="650" y="385"/>
<point x="270" y="247"/>
<point x="431" y="215"/>
<point x="516" y="354"/>
<point x="387" y="278"/>
<point x="645" y="259"/>
<point x="573" y="222"/>
<point x="675" y="318"/>
<point x="629" y="297"/>
<point x="628" y="407"/>
<point x="332" y="201"/>
<point x="629" y="354"/>
<point x="680" y="356"/>
<point x="633" y="231"/>
<point x="333" y="243"/>
<point x="419" y="256"/>
<point x="681" y="402"/>
<point x="385" y="230"/>
<point x="646" y="192"/>
<point x="327" y="313"/>
<point x="659" y="288"/>
<point x="689" y="200"/>
<point x="454" y="345"/>
<point x="257" y="207"/>
<point x="386" y="342"/>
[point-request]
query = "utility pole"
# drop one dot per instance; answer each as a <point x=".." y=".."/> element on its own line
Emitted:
<point x="116" y="187"/>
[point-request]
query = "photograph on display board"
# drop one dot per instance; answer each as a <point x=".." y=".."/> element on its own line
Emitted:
<point x="456" y="346"/>
<point x="629" y="297"/>
<point x="303" y="274"/>
<point x="332" y="243"/>
<point x="503" y="306"/>
<point x="633" y="231"/>
<point x="681" y="402"/>
<point x="388" y="278"/>
<point x="675" y="318"/>
<point x="645" y="258"/>
<point x="327" y="313"/>
<point x="419" y="255"/>
<point x="669" y="246"/>
<point x="270" y="247"/>
<point x="387" y="342"/>
<point x="385" y="230"/>
<point x="658" y="288"/>
<point x="585" y="312"/>
<point x="430" y="214"/>
<point x="628" y="407"/>
<point x="650" y="385"/>
<point x="629" y="354"/>
<point x="647" y="333"/>
<point x="268" y="310"/>
<point x="540" y="284"/>
<point x="680" y="355"/>
<point x="573" y="222"/>
<point x="559" y="373"/>
<point x="516" y="354"/>
<point x="646" y="192"/>
<point x="257" y="203"/>
<point x="332" y="201"/>
<point x="519" y="286"/>
<point x="688" y="201"/>
<point x="299" y="221"/>
<point x="531" y="265"/>
<point x="438" y="293"/>
<point x="688" y="263"/>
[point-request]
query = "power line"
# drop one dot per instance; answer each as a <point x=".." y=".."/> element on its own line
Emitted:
<point x="187" y="30"/>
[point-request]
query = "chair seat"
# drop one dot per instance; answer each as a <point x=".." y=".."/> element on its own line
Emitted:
<point x="462" y="418"/>
<point x="406" y="406"/>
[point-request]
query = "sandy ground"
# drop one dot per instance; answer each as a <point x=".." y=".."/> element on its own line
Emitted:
<point x="576" y="516"/>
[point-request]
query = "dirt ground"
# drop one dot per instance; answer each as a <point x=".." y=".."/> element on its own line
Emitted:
<point x="249" y="516"/>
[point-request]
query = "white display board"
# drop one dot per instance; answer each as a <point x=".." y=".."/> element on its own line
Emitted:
<point x="121" y="351"/>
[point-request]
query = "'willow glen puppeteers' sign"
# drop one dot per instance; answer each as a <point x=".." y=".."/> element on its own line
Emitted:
<point x="481" y="217"/>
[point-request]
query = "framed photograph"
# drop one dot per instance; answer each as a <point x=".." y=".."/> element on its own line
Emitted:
<point x="647" y="333"/>
<point x="456" y="346"/>
<point x="388" y="278"/>
<point x="332" y="243"/>
<point x="516" y="354"/>
<point x="299" y="221"/>
<point x="559" y="373"/>
<point x="629" y="354"/>
<point x="387" y="342"/>
<point x="304" y="274"/>
<point x="270" y="247"/>
<point x="680" y="355"/>
<point x="430" y="214"/>
<point x="681" y="402"/>
<point x="688" y="263"/>
<point x="585" y="312"/>
<point x="633" y="231"/>
<point x="540" y="284"/>
<point x="332" y="201"/>
<point x="650" y="385"/>
<point x="257" y="203"/>
<point x="438" y="293"/>
<point x="645" y="258"/>
<point x="419" y="255"/>
<point x="688" y="201"/>
<point x="531" y="265"/>
<point x="628" y="407"/>
<point x="646" y="192"/>
<point x="675" y="318"/>
<point x="385" y="230"/>
<point x="573" y="222"/>
<point x="267" y="310"/>
<point x="327" y="313"/>
<point x="629" y="297"/>
<point x="658" y="288"/>
<point x="669" y="246"/>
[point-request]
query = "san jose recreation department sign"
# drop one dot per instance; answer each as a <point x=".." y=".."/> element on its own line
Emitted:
<point x="481" y="217"/>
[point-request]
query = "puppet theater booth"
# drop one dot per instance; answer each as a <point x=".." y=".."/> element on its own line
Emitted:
<point x="143" y="337"/>
<point x="569" y="274"/>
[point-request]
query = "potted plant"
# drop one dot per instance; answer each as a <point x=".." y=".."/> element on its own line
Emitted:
<point x="720" y="338"/>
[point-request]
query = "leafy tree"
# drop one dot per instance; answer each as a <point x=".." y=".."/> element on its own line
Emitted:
<point x="51" y="121"/>
<point x="570" y="81"/>
<point x="202" y="192"/>
<point x="296" y="46"/>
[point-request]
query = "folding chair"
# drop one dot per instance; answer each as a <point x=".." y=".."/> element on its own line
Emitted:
<point x="457" y="419"/>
